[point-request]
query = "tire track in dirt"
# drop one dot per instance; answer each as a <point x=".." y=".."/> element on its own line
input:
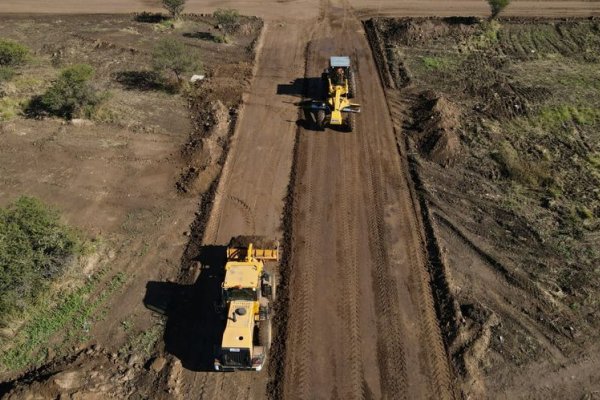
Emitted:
<point x="251" y="191"/>
<point x="301" y="304"/>
<point x="386" y="310"/>
<point x="346" y="210"/>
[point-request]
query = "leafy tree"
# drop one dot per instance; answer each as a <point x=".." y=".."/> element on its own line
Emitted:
<point x="229" y="19"/>
<point x="71" y="92"/>
<point x="12" y="53"/>
<point x="171" y="55"/>
<point x="35" y="248"/>
<point x="497" y="6"/>
<point x="175" y="7"/>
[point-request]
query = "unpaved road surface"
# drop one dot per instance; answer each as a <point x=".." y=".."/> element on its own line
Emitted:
<point x="361" y="312"/>
<point x="251" y="193"/>
<point x="361" y="319"/>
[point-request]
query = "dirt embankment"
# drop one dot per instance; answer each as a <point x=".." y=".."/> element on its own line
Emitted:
<point x="502" y="120"/>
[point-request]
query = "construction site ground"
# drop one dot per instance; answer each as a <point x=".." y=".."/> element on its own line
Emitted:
<point x="373" y="284"/>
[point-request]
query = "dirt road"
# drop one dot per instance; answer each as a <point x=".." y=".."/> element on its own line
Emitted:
<point x="276" y="9"/>
<point x="361" y="319"/>
<point x="361" y="312"/>
<point x="251" y="193"/>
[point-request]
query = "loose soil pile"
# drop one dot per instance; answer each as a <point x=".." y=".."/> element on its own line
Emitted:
<point x="514" y="219"/>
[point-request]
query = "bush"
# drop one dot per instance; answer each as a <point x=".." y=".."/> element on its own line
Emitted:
<point x="497" y="6"/>
<point x="229" y="19"/>
<point x="70" y="93"/>
<point x="175" y="7"/>
<point x="217" y="38"/>
<point x="35" y="248"/>
<point x="12" y="53"/>
<point x="171" y="55"/>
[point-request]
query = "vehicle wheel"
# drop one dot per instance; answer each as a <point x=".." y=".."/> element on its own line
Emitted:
<point x="265" y="334"/>
<point x="325" y="85"/>
<point x="351" y="85"/>
<point x="273" y="287"/>
<point x="321" y="120"/>
<point x="350" y="122"/>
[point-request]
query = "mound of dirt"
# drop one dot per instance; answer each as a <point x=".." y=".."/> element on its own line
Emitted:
<point x="205" y="147"/>
<point x="436" y="122"/>
<point x="91" y="374"/>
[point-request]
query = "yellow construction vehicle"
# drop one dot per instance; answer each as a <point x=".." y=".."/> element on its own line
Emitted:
<point x="339" y="86"/>
<point x="248" y="292"/>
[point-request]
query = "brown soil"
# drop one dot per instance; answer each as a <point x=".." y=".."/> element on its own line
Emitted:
<point x="365" y="260"/>
<point x="436" y="120"/>
<point x="116" y="177"/>
<point x="509" y="262"/>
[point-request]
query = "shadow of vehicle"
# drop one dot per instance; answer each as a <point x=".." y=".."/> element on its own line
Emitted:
<point x="309" y="89"/>
<point x="194" y="325"/>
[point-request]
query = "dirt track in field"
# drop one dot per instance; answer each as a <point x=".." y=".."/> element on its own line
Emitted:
<point x="360" y="317"/>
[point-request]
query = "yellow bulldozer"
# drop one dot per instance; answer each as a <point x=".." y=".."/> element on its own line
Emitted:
<point x="248" y="292"/>
<point x="339" y="86"/>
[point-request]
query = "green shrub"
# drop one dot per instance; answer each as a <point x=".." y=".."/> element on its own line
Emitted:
<point x="229" y="19"/>
<point x="70" y="93"/>
<point x="12" y="53"/>
<point x="172" y="55"/>
<point x="35" y="248"/>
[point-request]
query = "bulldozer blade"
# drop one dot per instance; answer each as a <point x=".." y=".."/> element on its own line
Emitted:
<point x="263" y="249"/>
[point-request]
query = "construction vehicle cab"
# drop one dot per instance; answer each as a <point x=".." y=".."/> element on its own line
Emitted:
<point x="339" y="86"/>
<point x="339" y="73"/>
<point x="248" y="291"/>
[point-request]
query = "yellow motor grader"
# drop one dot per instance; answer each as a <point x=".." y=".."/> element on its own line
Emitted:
<point x="339" y="86"/>
<point x="248" y="292"/>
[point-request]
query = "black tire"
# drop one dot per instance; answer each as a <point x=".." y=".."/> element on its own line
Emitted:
<point x="320" y="120"/>
<point x="325" y="85"/>
<point x="350" y="122"/>
<point x="273" y="288"/>
<point x="351" y="84"/>
<point x="265" y="334"/>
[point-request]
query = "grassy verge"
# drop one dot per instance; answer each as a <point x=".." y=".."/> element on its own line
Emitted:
<point x="73" y="314"/>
